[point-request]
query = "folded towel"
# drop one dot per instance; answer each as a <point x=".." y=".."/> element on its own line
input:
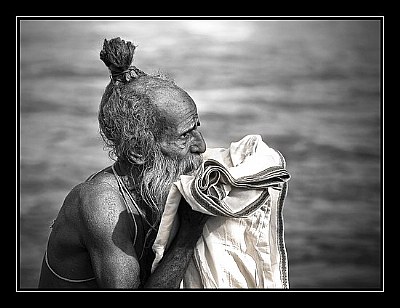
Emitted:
<point x="242" y="246"/>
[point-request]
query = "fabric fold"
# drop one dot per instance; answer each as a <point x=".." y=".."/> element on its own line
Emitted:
<point x="242" y="246"/>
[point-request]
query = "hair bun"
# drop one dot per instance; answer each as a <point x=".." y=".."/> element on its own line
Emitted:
<point x="117" y="54"/>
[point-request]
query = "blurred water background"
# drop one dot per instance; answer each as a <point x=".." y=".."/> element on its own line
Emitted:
<point x="310" y="88"/>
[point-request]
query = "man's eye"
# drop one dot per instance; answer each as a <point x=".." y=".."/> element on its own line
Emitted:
<point x="184" y="135"/>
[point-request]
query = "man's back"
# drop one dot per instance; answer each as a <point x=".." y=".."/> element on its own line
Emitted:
<point x="93" y="235"/>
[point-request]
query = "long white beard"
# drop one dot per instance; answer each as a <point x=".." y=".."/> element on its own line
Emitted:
<point x="158" y="177"/>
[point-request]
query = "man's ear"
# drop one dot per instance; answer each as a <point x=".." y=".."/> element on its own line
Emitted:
<point x="136" y="158"/>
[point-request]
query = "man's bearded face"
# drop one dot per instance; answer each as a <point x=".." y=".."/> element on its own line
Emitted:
<point x="177" y="149"/>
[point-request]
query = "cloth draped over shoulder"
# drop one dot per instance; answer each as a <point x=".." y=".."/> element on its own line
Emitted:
<point x="243" y="188"/>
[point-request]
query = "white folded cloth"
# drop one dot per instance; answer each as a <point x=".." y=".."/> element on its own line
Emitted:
<point x="243" y="188"/>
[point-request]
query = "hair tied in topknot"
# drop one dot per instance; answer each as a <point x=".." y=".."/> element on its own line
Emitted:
<point x="117" y="55"/>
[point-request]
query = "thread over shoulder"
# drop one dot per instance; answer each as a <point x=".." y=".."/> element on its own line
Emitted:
<point x="117" y="54"/>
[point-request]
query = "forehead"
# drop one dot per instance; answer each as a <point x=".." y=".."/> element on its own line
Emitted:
<point x="177" y="108"/>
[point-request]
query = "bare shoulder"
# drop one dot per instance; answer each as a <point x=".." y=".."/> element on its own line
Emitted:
<point x="99" y="202"/>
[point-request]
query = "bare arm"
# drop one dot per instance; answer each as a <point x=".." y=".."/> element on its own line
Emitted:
<point x="173" y="265"/>
<point x="108" y="236"/>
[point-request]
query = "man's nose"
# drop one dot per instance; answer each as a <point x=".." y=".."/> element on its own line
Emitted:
<point x="198" y="144"/>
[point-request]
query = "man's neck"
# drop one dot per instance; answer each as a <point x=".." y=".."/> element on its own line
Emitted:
<point x="129" y="173"/>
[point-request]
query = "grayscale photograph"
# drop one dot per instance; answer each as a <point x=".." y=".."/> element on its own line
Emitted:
<point x="209" y="153"/>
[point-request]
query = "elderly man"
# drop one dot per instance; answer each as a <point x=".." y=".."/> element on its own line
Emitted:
<point x="103" y="234"/>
